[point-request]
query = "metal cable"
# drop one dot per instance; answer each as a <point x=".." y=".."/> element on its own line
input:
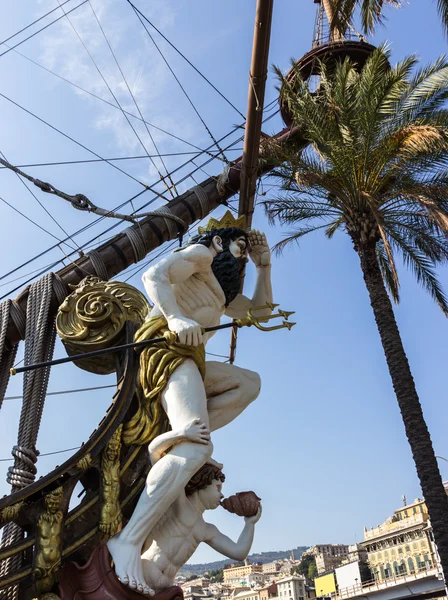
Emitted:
<point x="43" y="207"/>
<point x="7" y="356"/>
<point x="188" y="61"/>
<point x="116" y="224"/>
<point x="32" y="221"/>
<point x="110" y="90"/>
<point x="98" y="160"/>
<point x="162" y="178"/>
<point x="70" y="138"/>
<point x="181" y="86"/>
<point x="42" y="29"/>
<point x="33" y="23"/>
<point x="106" y="102"/>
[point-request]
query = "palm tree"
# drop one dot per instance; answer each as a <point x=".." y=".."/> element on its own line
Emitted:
<point x="340" y="13"/>
<point x="375" y="169"/>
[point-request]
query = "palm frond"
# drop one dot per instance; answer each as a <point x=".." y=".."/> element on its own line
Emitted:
<point x="333" y="227"/>
<point x="442" y="7"/>
<point x="294" y="237"/>
<point x="393" y="275"/>
<point x="423" y="269"/>
<point x="392" y="283"/>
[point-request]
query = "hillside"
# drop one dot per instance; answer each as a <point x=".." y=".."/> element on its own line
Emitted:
<point x="262" y="557"/>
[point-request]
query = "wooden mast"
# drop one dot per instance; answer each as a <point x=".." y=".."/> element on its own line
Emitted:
<point x="255" y="104"/>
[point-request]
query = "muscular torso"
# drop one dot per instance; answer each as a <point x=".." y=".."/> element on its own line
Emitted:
<point x="199" y="298"/>
<point x="171" y="544"/>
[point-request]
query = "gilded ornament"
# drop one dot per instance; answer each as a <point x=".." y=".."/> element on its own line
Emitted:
<point x="228" y="220"/>
<point x="9" y="513"/>
<point x="93" y="317"/>
<point x="48" y="547"/>
<point x="85" y="462"/>
<point x="111" y="517"/>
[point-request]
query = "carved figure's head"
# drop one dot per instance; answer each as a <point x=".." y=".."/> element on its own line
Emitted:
<point x="207" y="483"/>
<point x="53" y="500"/>
<point x="231" y="245"/>
<point x="112" y="450"/>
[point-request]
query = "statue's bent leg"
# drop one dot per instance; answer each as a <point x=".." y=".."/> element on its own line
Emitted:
<point x="229" y="390"/>
<point x="183" y="400"/>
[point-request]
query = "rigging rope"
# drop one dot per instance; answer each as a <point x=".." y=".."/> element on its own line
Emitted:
<point x="39" y="345"/>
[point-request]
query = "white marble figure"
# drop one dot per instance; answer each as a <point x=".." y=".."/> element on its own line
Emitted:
<point x="192" y="288"/>
<point x="182" y="527"/>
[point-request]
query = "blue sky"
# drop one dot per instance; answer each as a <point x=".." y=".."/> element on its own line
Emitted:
<point x="323" y="445"/>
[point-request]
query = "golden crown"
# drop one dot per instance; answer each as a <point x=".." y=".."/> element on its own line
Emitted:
<point x="228" y="220"/>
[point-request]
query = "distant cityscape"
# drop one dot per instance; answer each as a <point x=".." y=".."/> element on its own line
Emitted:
<point x="396" y="560"/>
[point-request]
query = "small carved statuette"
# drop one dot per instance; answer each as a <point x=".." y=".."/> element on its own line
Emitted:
<point x="110" y="519"/>
<point x="49" y="541"/>
<point x="85" y="462"/>
<point x="9" y="513"/>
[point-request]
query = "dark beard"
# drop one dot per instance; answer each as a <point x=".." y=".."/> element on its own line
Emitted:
<point x="229" y="271"/>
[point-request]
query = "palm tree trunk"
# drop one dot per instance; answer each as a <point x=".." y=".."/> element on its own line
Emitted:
<point x="411" y="411"/>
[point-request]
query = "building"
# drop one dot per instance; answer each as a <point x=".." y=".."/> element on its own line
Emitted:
<point x="272" y="567"/>
<point x="199" y="582"/>
<point x="268" y="591"/>
<point x="327" y="556"/>
<point x="194" y="594"/>
<point x="291" y="588"/>
<point x="402" y="545"/>
<point x="356" y="553"/>
<point x="242" y="575"/>
<point x="310" y="592"/>
<point x="229" y="592"/>
<point x="247" y="595"/>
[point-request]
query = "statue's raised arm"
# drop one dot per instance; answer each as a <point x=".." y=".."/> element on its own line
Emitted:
<point x="260" y="255"/>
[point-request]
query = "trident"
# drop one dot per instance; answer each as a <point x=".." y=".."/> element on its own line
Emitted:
<point x="171" y="338"/>
<point x="251" y="319"/>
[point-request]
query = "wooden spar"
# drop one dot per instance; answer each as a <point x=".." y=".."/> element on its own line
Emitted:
<point x="254" y="120"/>
<point x="118" y="253"/>
<point x="255" y="104"/>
